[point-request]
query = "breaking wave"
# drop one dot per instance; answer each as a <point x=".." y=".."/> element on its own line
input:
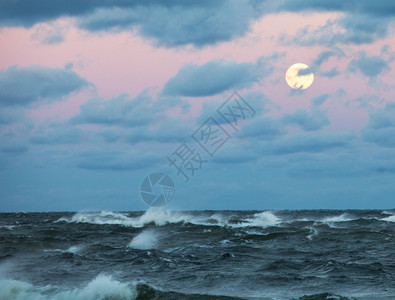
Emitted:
<point x="337" y="219"/>
<point x="103" y="287"/>
<point x="389" y="219"/>
<point x="144" y="241"/>
<point x="160" y="217"/>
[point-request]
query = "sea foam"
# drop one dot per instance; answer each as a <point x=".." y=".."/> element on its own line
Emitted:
<point x="389" y="219"/>
<point x="155" y="216"/>
<point x="144" y="241"/>
<point x="263" y="219"/>
<point x="340" y="218"/>
<point x="101" y="288"/>
<point x="160" y="217"/>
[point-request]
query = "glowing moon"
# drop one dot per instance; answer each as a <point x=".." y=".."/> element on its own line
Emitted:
<point x="299" y="76"/>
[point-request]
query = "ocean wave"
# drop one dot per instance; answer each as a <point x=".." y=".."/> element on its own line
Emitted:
<point x="72" y="249"/>
<point x="144" y="241"/>
<point x="9" y="227"/>
<point x="263" y="219"/>
<point x="155" y="216"/>
<point x="104" y="287"/>
<point x="389" y="219"/>
<point x="336" y="219"/>
<point x="99" y="218"/>
<point x="160" y="217"/>
<point x="312" y="233"/>
<point x="101" y="288"/>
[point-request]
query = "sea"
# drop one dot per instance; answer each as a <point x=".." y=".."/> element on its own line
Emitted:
<point x="166" y="254"/>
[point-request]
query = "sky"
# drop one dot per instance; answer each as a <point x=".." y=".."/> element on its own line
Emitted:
<point x="97" y="95"/>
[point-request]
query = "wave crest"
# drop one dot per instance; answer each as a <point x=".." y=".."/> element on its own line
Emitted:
<point x="101" y="288"/>
<point x="389" y="219"/>
<point x="144" y="241"/>
<point x="160" y="217"/>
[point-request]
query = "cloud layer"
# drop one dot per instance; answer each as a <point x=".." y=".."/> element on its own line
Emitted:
<point x="217" y="76"/>
<point x="34" y="84"/>
<point x="177" y="23"/>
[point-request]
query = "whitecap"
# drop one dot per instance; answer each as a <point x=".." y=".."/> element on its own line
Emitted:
<point x="313" y="232"/>
<point x="335" y="219"/>
<point x="160" y="217"/>
<point x="9" y="227"/>
<point x="100" y="288"/>
<point x="72" y="249"/>
<point x="144" y="241"/>
<point x="389" y="219"/>
<point x="153" y="215"/>
<point x="263" y="219"/>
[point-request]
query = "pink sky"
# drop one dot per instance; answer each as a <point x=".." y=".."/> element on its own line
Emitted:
<point x="126" y="63"/>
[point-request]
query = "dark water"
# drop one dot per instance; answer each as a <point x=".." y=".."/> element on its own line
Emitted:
<point x="161" y="254"/>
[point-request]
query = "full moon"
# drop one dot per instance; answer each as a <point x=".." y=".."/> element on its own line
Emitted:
<point x="299" y="76"/>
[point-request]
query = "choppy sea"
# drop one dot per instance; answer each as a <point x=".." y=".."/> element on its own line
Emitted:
<point x="163" y="254"/>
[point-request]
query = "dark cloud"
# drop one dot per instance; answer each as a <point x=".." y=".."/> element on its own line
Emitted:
<point x="317" y="101"/>
<point x="385" y="137"/>
<point x="355" y="28"/>
<point x="330" y="73"/>
<point x="217" y="76"/>
<point x="303" y="72"/>
<point x="118" y="161"/>
<point x="14" y="149"/>
<point x="362" y="28"/>
<point x="309" y="120"/>
<point x="139" y="119"/>
<point x="169" y="130"/>
<point x="381" y="127"/>
<point x="58" y="134"/>
<point x="123" y="111"/>
<point x="257" y="100"/>
<point x="329" y="166"/>
<point x="265" y="128"/>
<point x="26" y="85"/>
<point x="366" y="101"/>
<point x="236" y="154"/>
<point x="169" y="23"/>
<point x="307" y="143"/>
<point x="382" y="8"/>
<point x="370" y="66"/>
<point x="199" y="23"/>
<point x="10" y="115"/>
<point x="26" y="13"/>
<point x="110" y="135"/>
<point x="323" y="56"/>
